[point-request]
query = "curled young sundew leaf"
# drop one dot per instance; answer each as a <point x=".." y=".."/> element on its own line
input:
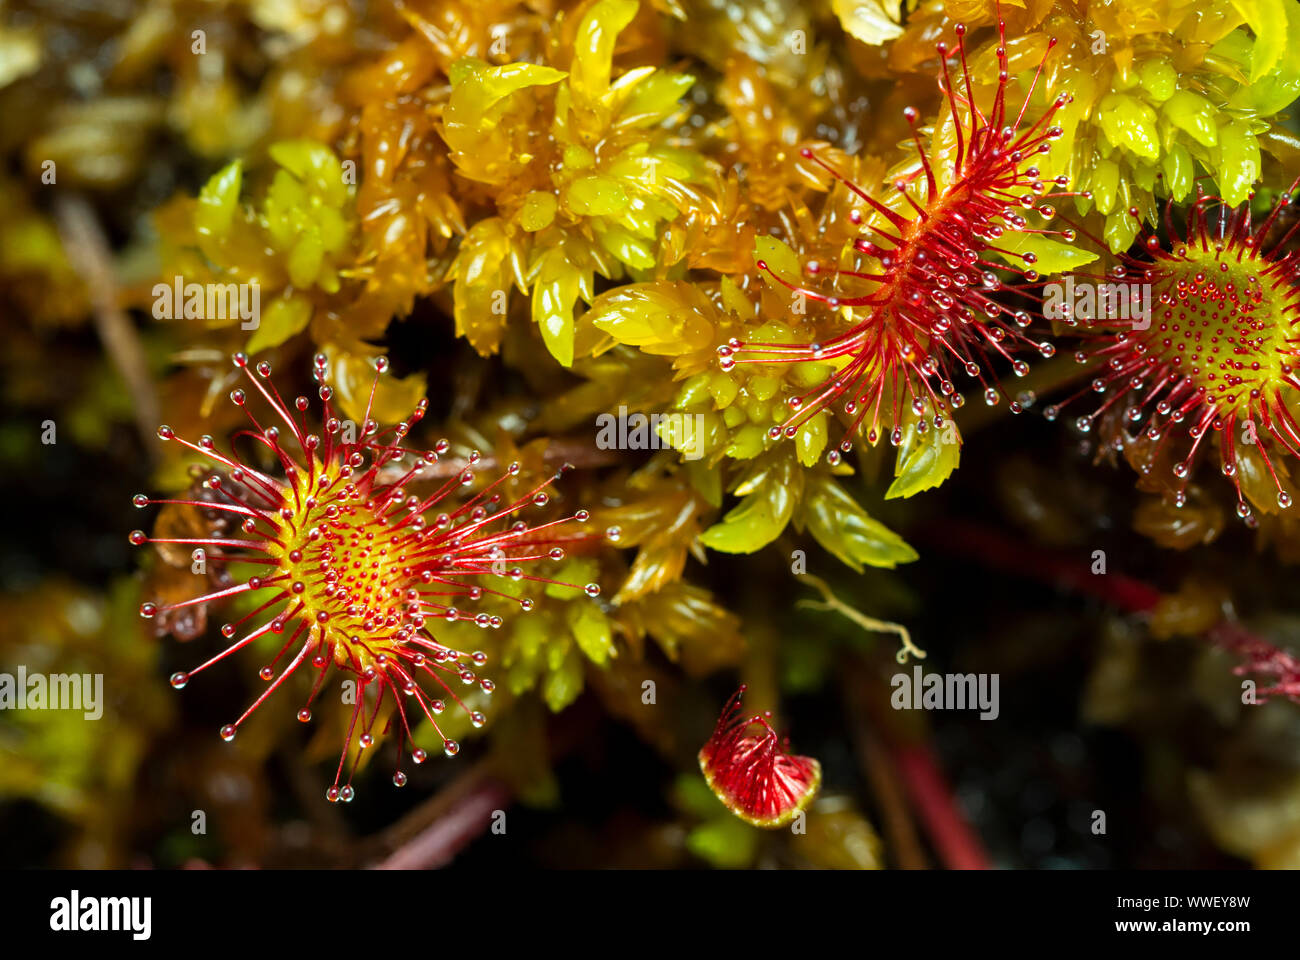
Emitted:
<point x="752" y="773"/>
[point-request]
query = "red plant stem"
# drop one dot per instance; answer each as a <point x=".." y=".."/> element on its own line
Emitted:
<point x="1126" y="593"/>
<point x="1017" y="556"/>
<point x="953" y="839"/>
<point x="952" y="836"/>
<point x="917" y="767"/>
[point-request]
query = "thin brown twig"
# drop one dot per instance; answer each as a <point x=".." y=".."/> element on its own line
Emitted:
<point x="88" y="251"/>
<point x="433" y="833"/>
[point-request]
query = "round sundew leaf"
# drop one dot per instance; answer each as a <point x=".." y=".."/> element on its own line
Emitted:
<point x="362" y="616"/>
